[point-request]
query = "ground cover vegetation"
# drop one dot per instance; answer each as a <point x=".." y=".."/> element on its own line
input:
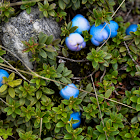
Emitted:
<point x="107" y="76"/>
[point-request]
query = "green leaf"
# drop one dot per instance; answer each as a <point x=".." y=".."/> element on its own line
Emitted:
<point x="9" y="112"/>
<point x="51" y="7"/>
<point x="57" y="41"/>
<point x="3" y="88"/>
<point x="69" y="25"/>
<point x="100" y="128"/>
<point x="6" y="13"/>
<point x="49" y="40"/>
<point x="94" y="64"/>
<point x="98" y="22"/>
<point x="102" y="137"/>
<point x="138" y="107"/>
<point x="84" y="1"/>
<point x="45" y="13"/>
<point x="11" y="92"/>
<point x="17" y="82"/>
<point x="62" y="5"/>
<point x="51" y="13"/>
<point x="73" y="29"/>
<point x="66" y="73"/>
<point x="68" y="136"/>
<point x="108" y="93"/>
<point x="66" y="102"/>
<point x="64" y="52"/>
<point x="114" y="73"/>
<point x="138" y="100"/>
<point x="128" y="37"/>
<point x="43" y="53"/>
<point x="11" y="76"/>
<point x="134" y="120"/>
<point x="60" y="67"/>
<point x="133" y="49"/>
<point x="48" y="90"/>
<point x="68" y="128"/>
<point x="60" y="124"/>
<point x="42" y="38"/>
<point x="18" y="111"/>
<point x="108" y="56"/>
<point x="122" y="49"/>
<point x="128" y="135"/>
<point x="28" y="10"/>
<point x="50" y="48"/>
<point x="22" y="101"/>
<point x="134" y="99"/>
<point x="78" y="101"/>
<point x="137" y="40"/>
<point x="38" y="94"/>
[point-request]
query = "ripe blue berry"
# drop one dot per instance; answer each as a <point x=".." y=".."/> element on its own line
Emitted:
<point x="81" y="22"/>
<point x="3" y="73"/>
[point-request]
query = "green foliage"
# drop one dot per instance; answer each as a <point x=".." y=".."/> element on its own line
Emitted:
<point x="106" y="88"/>
<point x="5" y="133"/>
<point x="46" y="48"/>
<point x="100" y="16"/>
<point x="111" y="127"/>
<point x="63" y="75"/>
<point x="75" y="4"/>
<point x="32" y="109"/>
<point x="73" y="103"/>
<point x="8" y="88"/>
<point x="27" y="5"/>
<point x="99" y="58"/>
<point x="60" y="14"/>
<point x="13" y="109"/>
<point x="27" y="136"/>
<point x="112" y="76"/>
<point x="6" y="11"/>
<point x="67" y="29"/>
<point x="86" y="35"/>
<point x="47" y="9"/>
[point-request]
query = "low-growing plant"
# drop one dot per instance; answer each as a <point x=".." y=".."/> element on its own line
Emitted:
<point x="107" y="76"/>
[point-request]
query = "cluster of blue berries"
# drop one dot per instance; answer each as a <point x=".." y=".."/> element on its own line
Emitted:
<point x="75" y="42"/>
<point x="66" y="93"/>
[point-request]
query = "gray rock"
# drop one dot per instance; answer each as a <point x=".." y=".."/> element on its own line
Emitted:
<point x="23" y="27"/>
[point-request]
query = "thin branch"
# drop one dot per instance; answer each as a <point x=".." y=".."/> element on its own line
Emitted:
<point x="24" y="2"/>
<point x="107" y="38"/>
<point x="8" y="69"/>
<point x="130" y="54"/>
<point x="98" y="105"/>
<point x="4" y="102"/>
<point x="103" y="75"/>
<point x="127" y="14"/>
<point x="115" y="89"/>
<point x="60" y="46"/>
<point x="14" y="69"/>
<point x="79" y="78"/>
<point x="118" y="8"/>
<point x="40" y="127"/>
<point x="17" y="58"/>
<point x="83" y="60"/>
<point x="118" y="87"/>
<point x="3" y="65"/>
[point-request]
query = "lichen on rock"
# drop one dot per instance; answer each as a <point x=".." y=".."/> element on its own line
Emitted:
<point x="23" y="27"/>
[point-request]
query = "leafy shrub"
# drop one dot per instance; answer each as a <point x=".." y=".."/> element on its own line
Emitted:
<point x="107" y="78"/>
